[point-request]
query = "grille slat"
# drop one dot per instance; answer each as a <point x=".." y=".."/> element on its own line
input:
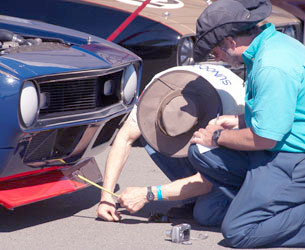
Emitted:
<point x="83" y="99"/>
<point x="73" y="92"/>
<point x="65" y="88"/>
<point x="73" y="106"/>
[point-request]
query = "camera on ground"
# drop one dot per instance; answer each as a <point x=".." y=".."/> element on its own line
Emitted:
<point x="179" y="233"/>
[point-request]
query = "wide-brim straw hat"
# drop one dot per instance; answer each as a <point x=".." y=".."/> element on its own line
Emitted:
<point x="173" y="107"/>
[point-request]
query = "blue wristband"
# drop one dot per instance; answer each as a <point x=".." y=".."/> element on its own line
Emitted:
<point x="159" y="193"/>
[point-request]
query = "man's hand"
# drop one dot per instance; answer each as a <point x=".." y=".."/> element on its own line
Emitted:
<point x="203" y="136"/>
<point x="226" y="121"/>
<point x="107" y="210"/>
<point x="133" y="198"/>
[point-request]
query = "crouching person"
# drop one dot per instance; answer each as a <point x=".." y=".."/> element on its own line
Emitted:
<point x="261" y="165"/>
<point x="259" y="160"/>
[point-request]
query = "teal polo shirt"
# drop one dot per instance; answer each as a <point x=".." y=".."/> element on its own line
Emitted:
<point x="275" y="89"/>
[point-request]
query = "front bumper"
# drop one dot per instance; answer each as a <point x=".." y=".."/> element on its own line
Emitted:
<point x="41" y="185"/>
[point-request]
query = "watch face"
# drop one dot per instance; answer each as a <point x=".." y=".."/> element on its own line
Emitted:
<point x="150" y="196"/>
<point x="216" y="135"/>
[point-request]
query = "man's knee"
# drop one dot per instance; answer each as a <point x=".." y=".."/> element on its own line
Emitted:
<point x="235" y="234"/>
<point x="196" y="158"/>
<point x="205" y="163"/>
<point x="193" y="152"/>
<point x="231" y="236"/>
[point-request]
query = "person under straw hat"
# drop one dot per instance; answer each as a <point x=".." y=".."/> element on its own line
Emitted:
<point x="189" y="96"/>
<point x="173" y="107"/>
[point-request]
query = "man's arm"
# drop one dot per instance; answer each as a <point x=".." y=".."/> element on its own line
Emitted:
<point x="238" y="139"/>
<point x="116" y="159"/>
<point x="134" y="198"/>
<point x="244" y="139"/>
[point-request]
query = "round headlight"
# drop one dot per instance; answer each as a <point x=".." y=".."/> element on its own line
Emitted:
<point x="185" y="51"/>
<point x="29" y="103"/>
<point x="130" y="81"/>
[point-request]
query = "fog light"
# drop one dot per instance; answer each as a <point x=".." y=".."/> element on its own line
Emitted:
<point x="44" y="100"/>
<point x="108" y="87"/>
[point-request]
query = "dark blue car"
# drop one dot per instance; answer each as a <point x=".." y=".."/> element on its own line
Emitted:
<point x="63" y="93"/>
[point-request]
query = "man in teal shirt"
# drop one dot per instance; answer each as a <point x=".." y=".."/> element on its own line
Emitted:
<point x="259" y="161"/>
<point x="275" y="78"/>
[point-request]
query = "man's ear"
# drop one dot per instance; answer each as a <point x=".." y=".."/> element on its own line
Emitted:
<point x="230" y="43"/>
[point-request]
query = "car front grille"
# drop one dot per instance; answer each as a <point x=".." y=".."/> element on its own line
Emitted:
<point x="78" y="93"/>
<point x="70" y="95"/>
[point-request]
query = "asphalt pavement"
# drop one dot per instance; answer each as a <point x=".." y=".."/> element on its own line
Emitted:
<point x="69" y="222"/>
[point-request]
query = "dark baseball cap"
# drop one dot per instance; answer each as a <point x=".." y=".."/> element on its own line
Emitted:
<point x="225" y="18"/>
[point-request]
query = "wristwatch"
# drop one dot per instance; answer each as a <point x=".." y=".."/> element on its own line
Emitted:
<point x="216" y="135"/>
<point x="150" y="195"/>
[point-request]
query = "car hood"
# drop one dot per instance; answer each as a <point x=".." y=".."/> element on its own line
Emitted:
<point x="32" y="27"/>
<point x="69" y="59"/>
<point x="182" y="15"/>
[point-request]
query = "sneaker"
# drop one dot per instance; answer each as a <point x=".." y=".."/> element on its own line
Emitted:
<point x="183" y="212"/>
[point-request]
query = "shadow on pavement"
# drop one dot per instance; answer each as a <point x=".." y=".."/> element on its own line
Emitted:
<point x="48" y="210"/>
<point x="161" y="207"/>
<point x="223" y="243"/>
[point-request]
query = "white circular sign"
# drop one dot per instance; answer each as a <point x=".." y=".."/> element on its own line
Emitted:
<point x="161" y="4"/>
